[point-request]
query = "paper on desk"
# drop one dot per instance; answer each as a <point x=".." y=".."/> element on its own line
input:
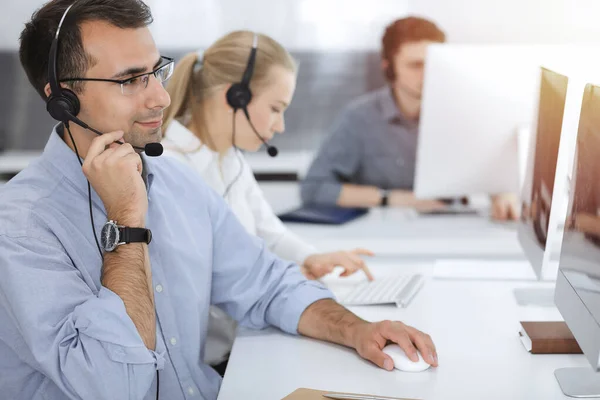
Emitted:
<point x="483" y="269"/>
<point x="312" y="394"/>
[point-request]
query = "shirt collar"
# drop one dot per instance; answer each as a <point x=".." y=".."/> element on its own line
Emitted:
<point x="59" y="155"/>
<point x="389" y="110"/>
<point x="147" y="174"/>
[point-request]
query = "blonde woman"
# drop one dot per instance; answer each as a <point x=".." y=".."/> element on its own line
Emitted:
<point x="208" y="122"/>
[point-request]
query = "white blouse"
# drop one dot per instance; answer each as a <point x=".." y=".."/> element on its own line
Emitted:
<point x="245" y="197"/>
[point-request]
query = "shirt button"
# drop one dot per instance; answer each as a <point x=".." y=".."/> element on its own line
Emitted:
<point x="191" y="391"/>
<point x="159" y="288"/>
<point x="173" y="341"/>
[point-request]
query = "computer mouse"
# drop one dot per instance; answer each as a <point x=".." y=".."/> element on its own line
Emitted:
<point x="401" y="360"/>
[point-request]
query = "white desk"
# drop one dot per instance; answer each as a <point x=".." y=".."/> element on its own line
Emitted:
<point x="474" y="325"/>
<point x="399" y="232"/>
<point x="12" y="162"/>
<point x="393" y="232"/>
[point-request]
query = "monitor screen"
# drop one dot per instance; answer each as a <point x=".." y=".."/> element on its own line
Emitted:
<point x="538" y="187"/>
<point x="580" y="256"/>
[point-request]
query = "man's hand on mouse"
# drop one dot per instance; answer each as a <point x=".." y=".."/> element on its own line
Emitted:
<point x="370" y="338"/>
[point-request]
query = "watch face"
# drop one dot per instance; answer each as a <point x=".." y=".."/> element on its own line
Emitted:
<point x="109" y="236"/>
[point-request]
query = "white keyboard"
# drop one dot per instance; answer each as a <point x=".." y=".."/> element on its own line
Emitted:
<point x="399" y="290"/>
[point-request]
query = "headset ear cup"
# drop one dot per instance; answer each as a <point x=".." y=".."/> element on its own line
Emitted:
<point x="59" y="107"/>
<point x="238" y="96"/>
<point x="73" y="100"/>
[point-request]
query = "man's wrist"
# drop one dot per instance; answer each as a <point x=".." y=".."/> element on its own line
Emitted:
<point x="401" y="198"/>
<point x="131" y="220"/>
<point x="384" y="197"/>
<point x="353" y="332"/>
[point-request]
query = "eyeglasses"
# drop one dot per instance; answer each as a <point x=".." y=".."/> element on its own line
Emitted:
<point x="136" y="83"/>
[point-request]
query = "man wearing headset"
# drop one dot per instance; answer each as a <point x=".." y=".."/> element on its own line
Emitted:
<point x="369" y="159"/>
<point x="130" y="321"/>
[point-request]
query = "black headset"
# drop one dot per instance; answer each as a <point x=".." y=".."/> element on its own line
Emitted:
<point x="239" y="95"/>
<point x="63" y="104"/>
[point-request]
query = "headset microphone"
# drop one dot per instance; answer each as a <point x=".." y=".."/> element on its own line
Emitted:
<point x="271" y="150"/>
<point x="151" y="149"/>
<point x="239" y="95"/>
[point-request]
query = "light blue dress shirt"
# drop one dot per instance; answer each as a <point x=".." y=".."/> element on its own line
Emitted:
<point x="65" y="336"/>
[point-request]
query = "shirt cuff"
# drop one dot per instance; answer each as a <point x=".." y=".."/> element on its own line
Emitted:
<point x="304" y="296"/>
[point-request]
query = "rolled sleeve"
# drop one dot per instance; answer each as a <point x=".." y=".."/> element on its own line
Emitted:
<point x="81" y="339"/>
<point x="322" y="193"/>
<point x="102" y="318"/>
<point x="299" y="301"/>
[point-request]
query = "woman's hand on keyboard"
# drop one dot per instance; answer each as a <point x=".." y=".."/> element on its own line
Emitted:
<point x="505" y="207"/>
<point x="317" y="265"/>
<point x="370" y="338"/>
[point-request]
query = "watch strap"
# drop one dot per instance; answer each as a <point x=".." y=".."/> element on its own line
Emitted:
<point x="384" y="197"/>
<point x="134" y="235"/>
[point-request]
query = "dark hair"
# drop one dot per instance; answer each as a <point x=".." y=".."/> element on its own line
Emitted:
<point x="38" y="34"/>
<point x="410" y="29"/>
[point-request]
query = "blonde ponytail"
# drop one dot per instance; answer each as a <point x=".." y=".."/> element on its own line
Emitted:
<point x="223" y="64"/>
<point x="180" y="89"/>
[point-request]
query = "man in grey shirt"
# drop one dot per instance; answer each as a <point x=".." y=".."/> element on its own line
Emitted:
<point x="369" y="158"/>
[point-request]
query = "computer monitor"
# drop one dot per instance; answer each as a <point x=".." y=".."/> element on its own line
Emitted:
<point x="538" y="202"/>
<point x="577" y="294"/>
<point x="475" y="99"/>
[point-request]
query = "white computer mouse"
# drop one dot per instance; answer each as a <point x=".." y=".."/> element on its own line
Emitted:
<point x="401" y="360"/>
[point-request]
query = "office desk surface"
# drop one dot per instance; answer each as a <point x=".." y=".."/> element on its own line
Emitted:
<point x="401" y="232"/>
<point x="474" y="325"/>
<point x="394" y="231"/>
<point x="12" y="162"/>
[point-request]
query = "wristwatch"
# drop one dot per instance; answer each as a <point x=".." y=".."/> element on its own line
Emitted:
<point x="384" y="193"/>
<point x="114" y="235"/>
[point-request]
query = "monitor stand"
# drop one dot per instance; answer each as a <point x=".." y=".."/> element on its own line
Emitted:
<point x="535" y="296"/>
<point x="582" y="383"/>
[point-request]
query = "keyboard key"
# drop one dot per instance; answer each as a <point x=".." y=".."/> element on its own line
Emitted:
<point x="397" y="290"/>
